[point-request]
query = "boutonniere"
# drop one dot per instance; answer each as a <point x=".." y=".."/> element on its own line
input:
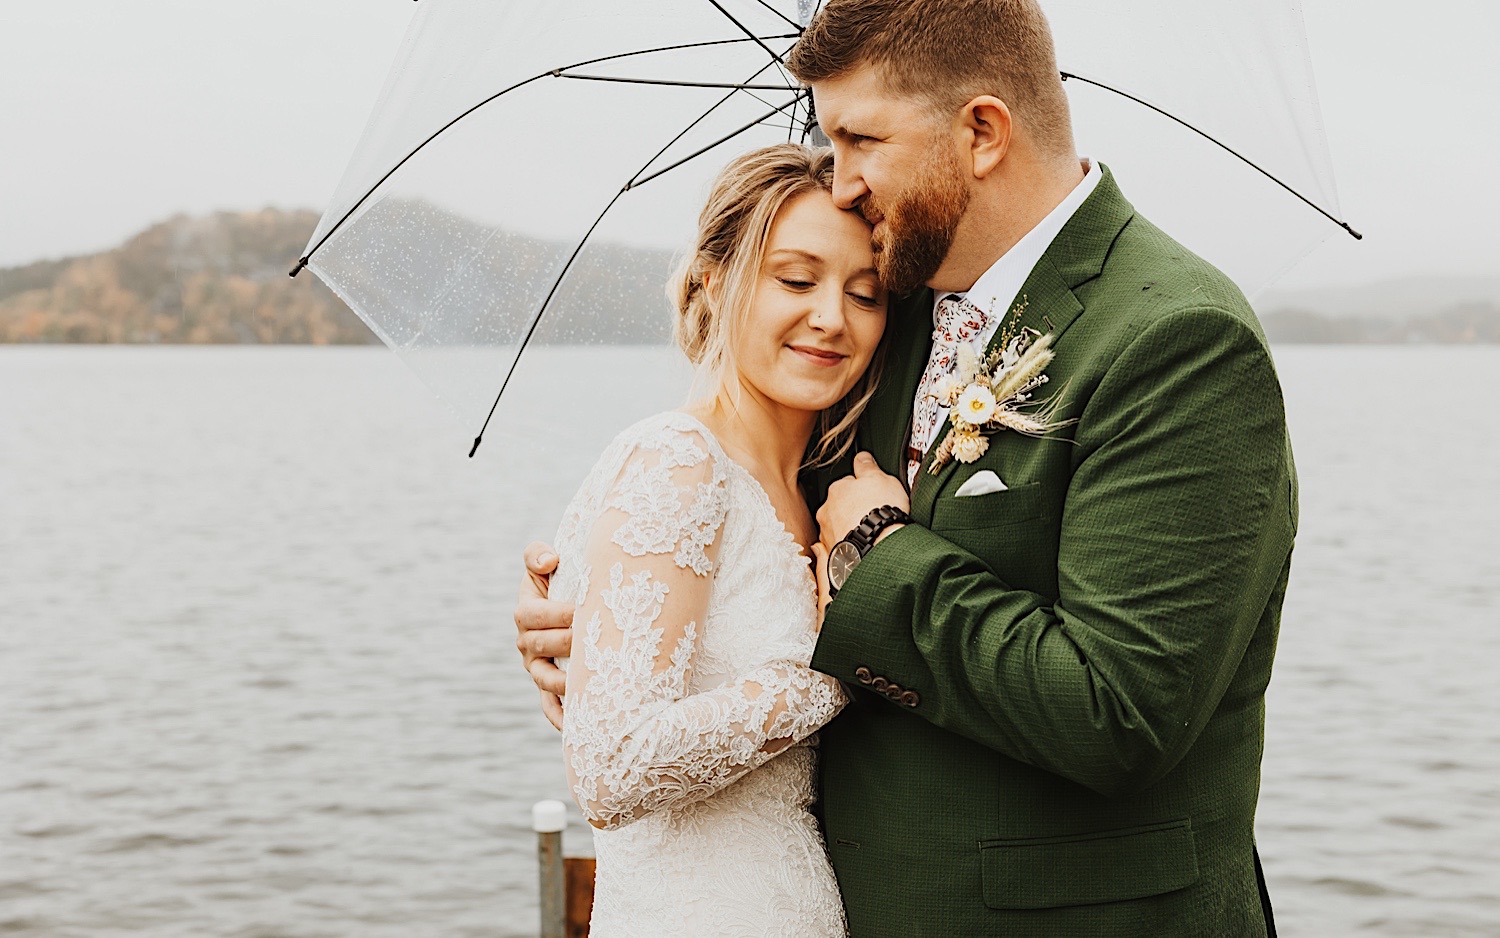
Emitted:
<point x="995" y="394"/>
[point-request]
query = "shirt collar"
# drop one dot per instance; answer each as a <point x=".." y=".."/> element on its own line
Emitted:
<point x="1007" y="275"/>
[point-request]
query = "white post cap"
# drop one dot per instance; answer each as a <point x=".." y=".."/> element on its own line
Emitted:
<point x="549" y="817"/>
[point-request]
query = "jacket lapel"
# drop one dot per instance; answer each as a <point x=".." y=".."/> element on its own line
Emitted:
<point x="1075" y="257"/>
<point x="887" y="423"/>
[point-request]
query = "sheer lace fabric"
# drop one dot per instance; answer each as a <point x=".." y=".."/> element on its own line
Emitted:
<point x="691" y="709"/>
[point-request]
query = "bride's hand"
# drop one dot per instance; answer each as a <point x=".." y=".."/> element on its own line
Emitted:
<point x="820" y="573"/>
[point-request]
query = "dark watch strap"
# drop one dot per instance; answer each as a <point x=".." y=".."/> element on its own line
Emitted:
<point x="864" y="534"/>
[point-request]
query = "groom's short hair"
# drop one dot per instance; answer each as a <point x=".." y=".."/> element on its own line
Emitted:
<point x="947" y="52"/>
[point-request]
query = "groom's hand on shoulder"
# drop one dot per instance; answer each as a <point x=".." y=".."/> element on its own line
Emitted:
<point x="543" y="629"/>
<point x="853" y="497"/>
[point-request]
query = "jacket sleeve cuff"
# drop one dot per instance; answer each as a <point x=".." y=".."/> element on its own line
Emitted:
<point x="866" y="640"/>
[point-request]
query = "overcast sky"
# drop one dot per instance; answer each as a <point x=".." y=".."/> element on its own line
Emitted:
<point x="115" y="115"/>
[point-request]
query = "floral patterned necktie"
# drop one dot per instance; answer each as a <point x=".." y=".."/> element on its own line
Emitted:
<point x="958" y="322"/>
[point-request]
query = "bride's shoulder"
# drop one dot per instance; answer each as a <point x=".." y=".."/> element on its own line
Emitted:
<point x="682" y="439"/>
<point x="669" y="448"/>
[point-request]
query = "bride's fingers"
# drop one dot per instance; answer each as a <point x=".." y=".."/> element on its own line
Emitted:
<point x="820" y="573"/>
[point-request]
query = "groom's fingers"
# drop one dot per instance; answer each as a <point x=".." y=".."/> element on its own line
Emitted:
<point x="545" y="643"/>
<point x="864" y="464"/>
<point x="541" y="559"/>
<point x="547" y="676"/>
<point x="533" y="613"/>
<point x="552" y="709"/>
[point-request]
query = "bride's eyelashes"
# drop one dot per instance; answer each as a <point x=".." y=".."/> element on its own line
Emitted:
<point x="799" y="285"/>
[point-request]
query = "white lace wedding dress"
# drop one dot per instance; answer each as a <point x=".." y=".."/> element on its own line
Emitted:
<point x="690" y="708"/>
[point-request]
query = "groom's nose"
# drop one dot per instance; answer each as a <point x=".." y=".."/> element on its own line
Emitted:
<point x="849" y="188"/>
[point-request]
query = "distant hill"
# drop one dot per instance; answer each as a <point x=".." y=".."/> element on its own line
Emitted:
<point x="1470" y="323"/>
<point x="1412" y="310"/>
<point x="1390" y="300"/>
<point x="221" y="279"/>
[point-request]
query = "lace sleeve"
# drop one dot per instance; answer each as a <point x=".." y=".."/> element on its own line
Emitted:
<point x="635" y="739"/>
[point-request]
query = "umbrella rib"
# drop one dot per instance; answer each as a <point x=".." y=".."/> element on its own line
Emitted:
<point x="303" y="261"/>
<point x="1066" y="76"/>
<point x="675" y="84"/>
<point x="744" y="29"/>
<point x="636" y="183"/>
<point x="782" y="16"/>
<point x="760" y="99"/>
<point x="541" y="310"/>
<point x="698" y="120"/>
<point x="537" y="319"/>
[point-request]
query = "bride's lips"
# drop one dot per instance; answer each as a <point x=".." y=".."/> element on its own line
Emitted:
<point x="821" y="357"/>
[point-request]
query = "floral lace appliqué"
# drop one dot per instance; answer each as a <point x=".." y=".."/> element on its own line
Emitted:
<point x="691" y="707"/>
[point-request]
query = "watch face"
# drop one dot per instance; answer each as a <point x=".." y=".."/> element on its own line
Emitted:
<point x="841" y="562"/>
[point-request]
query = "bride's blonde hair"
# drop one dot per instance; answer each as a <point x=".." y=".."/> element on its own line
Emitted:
<point x="730" y="249"/>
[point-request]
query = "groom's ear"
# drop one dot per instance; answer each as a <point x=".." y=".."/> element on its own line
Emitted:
<point x="986" y="124"/>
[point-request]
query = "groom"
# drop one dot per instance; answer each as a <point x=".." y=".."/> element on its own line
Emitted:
<point x="1059" y="668"/>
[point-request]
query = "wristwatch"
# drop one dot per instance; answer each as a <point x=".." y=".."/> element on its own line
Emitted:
<point x="847" y="554"/>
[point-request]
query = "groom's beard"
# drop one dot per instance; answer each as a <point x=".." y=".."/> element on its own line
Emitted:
<point x="918" y="226"/>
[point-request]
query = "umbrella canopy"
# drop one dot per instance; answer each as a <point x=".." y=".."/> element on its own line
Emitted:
<point x="534" y="156"/>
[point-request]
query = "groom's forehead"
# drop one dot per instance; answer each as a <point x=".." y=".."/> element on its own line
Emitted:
<point x="852" y="100"/>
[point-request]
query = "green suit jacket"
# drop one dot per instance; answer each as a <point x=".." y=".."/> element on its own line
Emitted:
<point x="1067" y="733"/>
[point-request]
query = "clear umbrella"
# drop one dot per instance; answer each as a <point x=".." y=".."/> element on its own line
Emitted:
<point x="530" y="167"/>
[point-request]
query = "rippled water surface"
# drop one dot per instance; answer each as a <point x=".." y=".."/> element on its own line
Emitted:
<point x="257" y="676"/>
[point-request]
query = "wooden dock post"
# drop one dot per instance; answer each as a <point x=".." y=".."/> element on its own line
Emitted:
<point x="580" y="872"/>
<point x="548" y="818"/>
<point x="567" y="882"/>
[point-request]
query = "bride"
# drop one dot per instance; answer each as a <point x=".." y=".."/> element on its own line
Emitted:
<point x="688" y="729"/>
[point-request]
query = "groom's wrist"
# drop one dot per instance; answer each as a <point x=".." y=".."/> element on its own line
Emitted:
<point x="887" y="532"/>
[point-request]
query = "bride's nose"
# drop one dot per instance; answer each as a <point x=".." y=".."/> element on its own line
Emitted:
<point x="827" y="312"/>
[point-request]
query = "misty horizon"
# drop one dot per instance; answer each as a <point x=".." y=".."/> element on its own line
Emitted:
<point x="106" y="137"/>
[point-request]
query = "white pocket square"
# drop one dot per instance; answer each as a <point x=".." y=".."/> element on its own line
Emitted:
<point x="981" y="483"/>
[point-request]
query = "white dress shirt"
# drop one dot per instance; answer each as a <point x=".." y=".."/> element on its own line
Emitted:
<point x="1005" y="278"/>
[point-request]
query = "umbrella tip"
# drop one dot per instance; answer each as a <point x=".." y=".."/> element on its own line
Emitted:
<point x="301" y="263"/>
<point x="1348" y="228"/>
<point x="475" y="448"/>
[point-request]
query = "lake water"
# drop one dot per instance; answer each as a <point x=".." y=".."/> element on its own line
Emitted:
<point x="257" y="675"/>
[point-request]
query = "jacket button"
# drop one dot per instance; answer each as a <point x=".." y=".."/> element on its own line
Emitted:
<point x="893" y="692"/>
<point x="862" y="675"/>
<point x="880" y="684"/>
<point x="911" y="698"/>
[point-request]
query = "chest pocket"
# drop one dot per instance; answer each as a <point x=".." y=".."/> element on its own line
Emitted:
<point x="1015" y="533"/>
<point x="1016" y="505"/>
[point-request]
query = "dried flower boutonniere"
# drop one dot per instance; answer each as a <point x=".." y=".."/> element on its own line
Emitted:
<point x="995" y="394"/>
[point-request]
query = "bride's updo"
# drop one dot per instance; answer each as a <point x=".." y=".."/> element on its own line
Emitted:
<point x="712" y="287"/>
